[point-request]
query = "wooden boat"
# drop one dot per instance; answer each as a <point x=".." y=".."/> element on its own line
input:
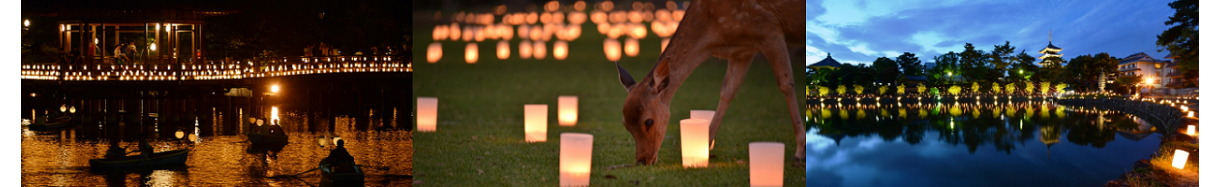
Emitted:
<point x="57" y="123"/>
<point x="267" y="139"/>
<point x="157" y="160"/>
<point x="355" y="177"/>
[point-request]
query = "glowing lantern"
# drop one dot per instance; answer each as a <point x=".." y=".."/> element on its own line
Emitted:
<point x="467" y="34"/>
<point x="427" y="114"/>
<point x="576" y="18"/>
<point x="178" y="134"/>
<point x="434" y="52"/>
<point x="631" y="47"/>
<point x="527" y="49"/>
<point x="523" y="31"/>
<point x="1190" y="114"/>
<point x="472" y="53"/>
<point x="567" y="110"/>
<point x="703" y="114"/>
<point x="1190" y="130"/>
<point x="502" y="50"/>
<point x="598" y="17"/>
<point x="537" y="33"/>
<point x="275" y="115"/>
<point x="539" y="50"/>
<point x="766" y="164"/>
<point x="694" y="142"/>
<point x="575" y="158"/>
<point x="637" y="31"/>
<point x="440" y="32"/>
<point x="561" y="50"/>
<point x="635" y="16"/>
<point x="613" y="49"/>
<point x="535" y="123"/>
<point x="1179" y="158"/>
<point x="531" y="18"/>
<point x="678" y="14"/>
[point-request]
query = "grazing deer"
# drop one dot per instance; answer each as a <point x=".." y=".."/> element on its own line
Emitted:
<point x="734" y="30"/>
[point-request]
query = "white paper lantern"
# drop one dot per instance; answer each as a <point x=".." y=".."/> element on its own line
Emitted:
<point x="539" y="50"/>
<point x="766" y="164"/>
<point x="526" y="49"/>
<point x="472" y="53"/>
<point x="426" y="120"/>
<point x="631" y="47"/>
<point x="694" y="143"/>
<point x="613" y="49"/>
<point x="1179" y="158"/>
<point x="502" y="50"/>
<point x="434" y="52"/>
<point x="568" y="110"/>
<point x="561" y="50"/>
<point x="535" y="123"/>
<point x="575" y="159"/>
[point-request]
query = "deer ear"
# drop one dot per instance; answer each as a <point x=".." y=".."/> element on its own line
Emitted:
<point x="624" y="77"/>
<point x="660" y="78"/>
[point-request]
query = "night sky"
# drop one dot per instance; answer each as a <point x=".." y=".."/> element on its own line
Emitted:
<point x="860" y="31"/>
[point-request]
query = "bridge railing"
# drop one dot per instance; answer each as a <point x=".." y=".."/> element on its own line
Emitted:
<point x="216" y="70"/>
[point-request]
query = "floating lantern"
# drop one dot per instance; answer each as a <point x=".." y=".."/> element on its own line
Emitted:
<point x="472" y="53"/>
<point x="694" y="143"/>
<point x="575" y="158"/>
<point x="535" y="123"/>
<point x="561" y="50"/>
<point x="427" y="114"/>
<point x="567" y="110"/>
<point x="539" y="50"/>
<point x="766" y="164"/>
<point x="631" y="47"/>
<point x="613" y="49"/>
<point x="502" y="50"/>
<point x="527" y="49"/>
<point x="1179" y="158"/>
<point x="434" y="52"/>
<point x="1190" y="130"/>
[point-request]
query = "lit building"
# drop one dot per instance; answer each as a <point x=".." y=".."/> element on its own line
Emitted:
<point x="1140" y="64"/>
<point x="1049" y="51"/>
<point x="1173" y="75"/>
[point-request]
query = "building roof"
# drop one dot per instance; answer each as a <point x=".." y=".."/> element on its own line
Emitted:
<point x="828" y="62"/>
<point x="1051" y="46"/>
<point x="1139" y="57"/>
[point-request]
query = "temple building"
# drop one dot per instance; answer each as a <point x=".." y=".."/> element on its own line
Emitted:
<point x="1049" y="51"/>
<point x="829" y="63"/>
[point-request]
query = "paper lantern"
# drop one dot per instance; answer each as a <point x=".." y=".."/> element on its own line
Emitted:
<point x="440" y="32"/>
<point x="604" y="28"/>
<point x="275" y="115"/>
<point x="613" y="49"/>
<point x="561" y="50"/>
<point x="1190" y="130"/>
<point x="598" y="17"/>
<point x="575" y="158"/>
<point x="502" y="50"/>
<point x="467" y="34"/>
<point x="539" y="50"/>
<point x="472" y="53"/>
<point x="567" y="110"/>
<point x="631" y="47"/>
<point x="537" y="33"/>
<point x="576" y="17"/>
<point x="694" y="143"/>
<point x="434" y="52"/>
<point x="527" y="49"/>
<point x="179" y="134"/>
<point x="523" y="31"/>
<point x="664" y="43"/>
<point x="535" y="123"/>
<point x="637" y="31"/>
<point x="766" y="164"/>
<point x="1179" y="158"/>
<point x="426" y="120"/>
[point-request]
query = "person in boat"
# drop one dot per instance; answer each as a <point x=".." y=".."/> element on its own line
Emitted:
<point x="116" y="152"/>
<point x="146" y="150"/>
<point x="275" y="128"/>
<point x="340" y="160"/>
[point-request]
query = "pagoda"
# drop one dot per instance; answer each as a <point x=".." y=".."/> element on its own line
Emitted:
<point x="1049" y="51"/>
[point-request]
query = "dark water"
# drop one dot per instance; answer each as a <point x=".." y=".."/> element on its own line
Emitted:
<point x="61" y="157"/>
<point x="976" y="144"/>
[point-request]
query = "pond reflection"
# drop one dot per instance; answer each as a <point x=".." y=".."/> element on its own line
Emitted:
<point x="972" y="144"/>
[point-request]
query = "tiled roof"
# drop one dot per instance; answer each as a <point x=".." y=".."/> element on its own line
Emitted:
<point x="829" y="61"/>
<point x="1141" y="56"/>
<point x="1051" y="46"/>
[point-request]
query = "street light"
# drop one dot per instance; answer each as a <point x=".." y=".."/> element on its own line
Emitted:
<point x="275" y="88"/>
<point x="27" y="23"/>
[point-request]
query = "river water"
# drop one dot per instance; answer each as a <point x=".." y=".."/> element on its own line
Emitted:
<point x="973" y="144"/>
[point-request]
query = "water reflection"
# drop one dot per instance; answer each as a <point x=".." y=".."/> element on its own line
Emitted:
<point x="61" y="157"/>
<point x="949" y="144"/>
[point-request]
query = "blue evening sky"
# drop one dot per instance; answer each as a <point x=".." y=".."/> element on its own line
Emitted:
<point x="860" y="31"/>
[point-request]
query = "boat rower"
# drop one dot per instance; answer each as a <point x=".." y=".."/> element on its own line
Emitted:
<point x="146" y="150"/>
<point x="116" y="152"/>
<point x="341" y="161"/>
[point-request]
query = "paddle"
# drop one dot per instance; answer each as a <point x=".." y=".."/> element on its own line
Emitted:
<point x="305" y="171"/>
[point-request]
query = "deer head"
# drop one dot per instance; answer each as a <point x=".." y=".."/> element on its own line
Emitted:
<point x="645" y="114"/>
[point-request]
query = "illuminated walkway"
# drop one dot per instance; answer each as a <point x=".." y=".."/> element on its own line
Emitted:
<point x="259" y="68"/>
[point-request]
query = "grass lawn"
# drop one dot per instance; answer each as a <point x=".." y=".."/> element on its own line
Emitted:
<point x="480" y="137"/>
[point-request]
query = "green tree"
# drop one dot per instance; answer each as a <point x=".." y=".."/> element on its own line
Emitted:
<point x="886" y="69"/>
<point x="1182" y="40"/>
<point x="1130" y="82"/>
<point x="1000" y="58"/>
<point x="910" y="64"/>
<point x="972" y="63"/>
<point x="946" y="67"/>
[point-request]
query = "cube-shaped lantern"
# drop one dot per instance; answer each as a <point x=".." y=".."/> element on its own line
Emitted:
<point x="631" y="47"/>
<point x="567" y="110"/>
<point x="535" y="123"/>
<point x="561" y="50"/>
<point x="539" y="50"/>
<point x="426" y="120"/>
<point x="613" y="49"/>
<point x="472" y="53"/>
<point x="703" y="114"/>
<point x="502" y="50"/>
<point x="694" y="143"/>
<point x="1190" y="130"/>
<point x="766" y="164"/>
<point x="527" y="49"/>
<point x="434" y="52"/>
<point x="575" y="158"/>
<point x="1179" y="158"/>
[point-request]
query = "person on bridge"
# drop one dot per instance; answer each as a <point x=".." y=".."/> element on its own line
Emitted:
<point x="118" y="54"/>
<point x="340" y="160"/>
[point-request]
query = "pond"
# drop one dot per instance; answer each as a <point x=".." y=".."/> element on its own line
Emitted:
<point x="972" y="144"/>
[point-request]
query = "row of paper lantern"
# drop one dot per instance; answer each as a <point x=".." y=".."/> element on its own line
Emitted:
<point x="528" y="49"/>
<point x="575" y="17"/>
<point x="479" y="33"/>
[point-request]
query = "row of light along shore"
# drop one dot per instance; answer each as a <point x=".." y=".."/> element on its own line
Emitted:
<point x="536" y="29"/>
<point x="576" y="149"/>
<point x="154" y="72"/>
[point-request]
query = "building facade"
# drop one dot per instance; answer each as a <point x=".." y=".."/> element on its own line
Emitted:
<point x="1140" y="64"/>
<point x="1050" y="51"/>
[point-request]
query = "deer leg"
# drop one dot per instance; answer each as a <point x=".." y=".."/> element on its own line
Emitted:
<point x="739" y="63"/>
<point x="775" y="49"/>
